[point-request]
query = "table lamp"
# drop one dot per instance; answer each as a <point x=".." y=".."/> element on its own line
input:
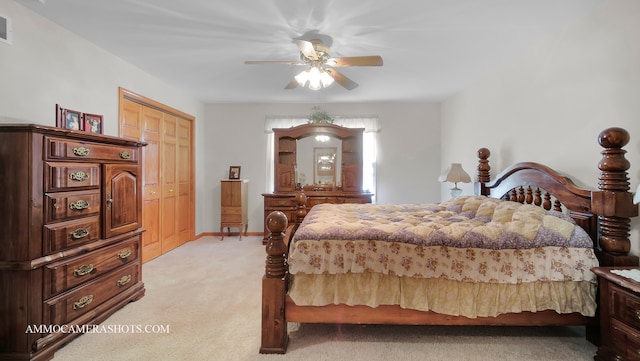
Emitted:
<point x="455" y="174"/>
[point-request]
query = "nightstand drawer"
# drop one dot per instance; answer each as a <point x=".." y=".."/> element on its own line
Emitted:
<point x="70" y="305"/>
<point x="626" y="341"/>
<point x="625" y="307"/>
<point x="61" y="276"/>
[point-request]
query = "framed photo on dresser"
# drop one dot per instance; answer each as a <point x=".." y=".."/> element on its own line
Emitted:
<point x="92" y="123"/>
<point x="234" y="172"/>
<point x="68" y="119"/>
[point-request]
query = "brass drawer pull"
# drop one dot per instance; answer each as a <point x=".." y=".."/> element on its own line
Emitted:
<point x="79" y="176"/>
<point x="125" y="155"/>
<point x="638" y="316"/>
<point x="81" y="151"/>
<point x="79" y="233"/>
<point x="83" y="270"/>
<point x="84" y="301"/>
<point x="282" y="203"/>
<point x="124" y="253"/>
<point x="124" y="280"/>
<point x="79" y="205"/>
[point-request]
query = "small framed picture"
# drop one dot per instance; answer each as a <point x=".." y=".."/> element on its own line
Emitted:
<point x="234" y="172"/>
<point x="68" y="119"/>
<point x="92" y="123"/>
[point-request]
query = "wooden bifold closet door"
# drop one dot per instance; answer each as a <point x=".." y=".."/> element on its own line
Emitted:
<point x="168" y="187"/>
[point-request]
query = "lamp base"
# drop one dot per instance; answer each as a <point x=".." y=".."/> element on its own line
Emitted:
<point x="455" y="192"/>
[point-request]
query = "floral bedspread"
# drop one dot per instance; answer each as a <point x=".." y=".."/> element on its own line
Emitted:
<point x="470" y="238"/>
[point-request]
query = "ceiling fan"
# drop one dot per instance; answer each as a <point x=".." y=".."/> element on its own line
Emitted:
<point x="320" y="72"/>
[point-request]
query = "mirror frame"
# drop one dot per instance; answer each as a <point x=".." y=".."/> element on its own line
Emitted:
<point x="285" y="149"/>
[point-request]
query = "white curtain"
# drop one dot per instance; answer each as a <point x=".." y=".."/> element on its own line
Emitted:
<point x="371" y="125"/>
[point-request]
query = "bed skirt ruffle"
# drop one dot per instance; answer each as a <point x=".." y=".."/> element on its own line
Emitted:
<point x="443" y="296"/>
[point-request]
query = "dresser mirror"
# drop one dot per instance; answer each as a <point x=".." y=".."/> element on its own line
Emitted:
<point x="305" y="158"/>
<point x="318" y="160"/>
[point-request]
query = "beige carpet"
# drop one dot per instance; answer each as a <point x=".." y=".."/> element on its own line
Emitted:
<point x="208" y="293"/>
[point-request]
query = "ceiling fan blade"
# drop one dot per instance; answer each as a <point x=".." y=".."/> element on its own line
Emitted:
<point x="292" y="84"/>
<point x="306" y="48"/>
<point x="373" y="60"/>
<point x="341" y="79"/>
<point x="274" y="62"/>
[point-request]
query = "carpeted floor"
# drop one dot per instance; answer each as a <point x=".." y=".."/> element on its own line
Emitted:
<point x="207" y="293"/>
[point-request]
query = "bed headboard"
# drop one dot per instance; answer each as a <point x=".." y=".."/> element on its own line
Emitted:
<point x="604" y="213"/>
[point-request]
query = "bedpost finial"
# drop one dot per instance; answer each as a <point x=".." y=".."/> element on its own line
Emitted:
<point x="614" y="138"/>
<point x="484" y="169"/>
<point x="483" y="153"/>
<point x="277" y="222"/>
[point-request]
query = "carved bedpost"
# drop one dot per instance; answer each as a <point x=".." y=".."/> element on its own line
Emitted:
<point x="613" y="203"/>
<point x="274" y="285"/>
<point x="301" y="211"/>
<point x="484" y="176"/>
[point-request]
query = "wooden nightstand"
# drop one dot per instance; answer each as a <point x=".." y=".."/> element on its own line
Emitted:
<point x="619" y="315"/>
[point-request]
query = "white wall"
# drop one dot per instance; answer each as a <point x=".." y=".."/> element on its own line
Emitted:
<point x="48" y="65"/>
<point x="549" y="104"/>
<point x="408" y="151"/>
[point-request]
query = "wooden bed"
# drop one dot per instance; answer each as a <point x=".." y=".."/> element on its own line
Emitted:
<point x="604" y="213"/>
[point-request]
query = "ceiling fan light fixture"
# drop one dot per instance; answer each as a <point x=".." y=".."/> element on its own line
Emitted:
<point x="302" y="78"/>
<point x="314" y="78"/>
<point x="326" y="79"/>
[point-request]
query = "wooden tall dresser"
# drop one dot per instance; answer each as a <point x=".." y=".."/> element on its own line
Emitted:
<point x="234" y="205"/>
<point x="70" y="235"/>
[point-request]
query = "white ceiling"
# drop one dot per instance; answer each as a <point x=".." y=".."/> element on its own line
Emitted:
<point x="431" y="48"/>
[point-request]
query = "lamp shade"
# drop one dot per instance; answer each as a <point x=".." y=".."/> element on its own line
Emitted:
<point x="455" y="174"/>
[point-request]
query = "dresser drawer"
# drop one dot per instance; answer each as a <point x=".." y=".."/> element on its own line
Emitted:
<point x="284" y="202"/>
<point x="69" y="305"/>
<point x="68" y="176"/>
<point x="71" y="205"/>
<point x="625" y="307"/>
<point x="78" y="150"/>
<point x="60" y="236"/>
<point x="312" y="201"/>
<point x="358" y="200"/>
<point x="626" y="341"/>
<point x="61" y="276"/>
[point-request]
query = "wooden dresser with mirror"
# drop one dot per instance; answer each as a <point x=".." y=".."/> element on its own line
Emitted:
<point x="321" y="161"/>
